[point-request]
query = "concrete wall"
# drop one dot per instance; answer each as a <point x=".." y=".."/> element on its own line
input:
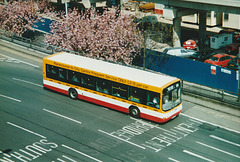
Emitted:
<point x="213" y="18"/>
<point x="231" y="21"/>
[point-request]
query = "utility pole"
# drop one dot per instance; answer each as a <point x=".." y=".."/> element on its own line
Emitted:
<point x="66" y="8"/>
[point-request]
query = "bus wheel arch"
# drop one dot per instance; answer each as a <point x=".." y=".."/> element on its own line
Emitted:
<point x="134" y="111"/>
<point x="73" y="93"/>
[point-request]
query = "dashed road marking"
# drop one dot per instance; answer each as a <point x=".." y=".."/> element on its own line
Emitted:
<point x="27" y="82"/>
<point x="79" y="152"/>
<point x="224" y="140"/>
<point x="14" y="99"/>
<point x="173" y="159"/>
<point x="65" y="117"/>
<point x="27" y="130"/>
<point x="217" y="149"/>
<point x="196" y="155"/>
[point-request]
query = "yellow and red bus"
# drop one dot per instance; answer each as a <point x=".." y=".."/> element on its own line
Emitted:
<point x="141" y="93"/>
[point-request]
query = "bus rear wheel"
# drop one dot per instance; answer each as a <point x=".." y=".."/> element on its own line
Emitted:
<point x="73" y="93"/>
<point x="134" y="111"/>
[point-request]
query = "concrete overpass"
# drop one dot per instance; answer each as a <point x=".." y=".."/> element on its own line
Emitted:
<point x="179" y="8"/>
<point x="227" y="6"/>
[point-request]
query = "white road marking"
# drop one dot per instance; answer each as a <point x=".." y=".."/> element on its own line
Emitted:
<point x="14" y="99"/>
<point x="153" y="126"/>
<point x="232" y="130"/>
<point x="224" y="140"/>
<point x="199" y="156"/>
<point x="81" y="153"/>
<point x="27" y="82"/>
<point x="26" y="130"/>
<point x="66" y="157"/>
<point x="62" y="116"/>
<point x="9" y="60"/>
<point x="217" y="149"/>
<point x="60" y="160"/>
<point x="5" y="154"/>
<point x="122" y="139"/>
<point x="27" y="63"/>
<point x="173" y="159"/>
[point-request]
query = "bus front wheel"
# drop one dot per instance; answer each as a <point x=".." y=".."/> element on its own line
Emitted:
<point x="134" y="112"/>
<point x="73" y="93"/>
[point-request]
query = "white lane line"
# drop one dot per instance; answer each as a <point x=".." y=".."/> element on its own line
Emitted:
<point x="28" y="63"/>
<point x="14" y="99"/>
<point x="122" y="139"/>
<point x="217" y="149"/>
<point x="20" y="60"/>
<point x="66" y="157"/>
<point x="199" y="156"/>
<point x="60" y="160"/>
<point x="27" y="82"/>
<point x="196" y="121"/>
<point x="26" y="130"/>
<point x="224" y="140"/>
<point x="81" y="153"/>
<point x="173" y="159"/>
<point x="232" y="130"/>
<point x="62" y="116"/>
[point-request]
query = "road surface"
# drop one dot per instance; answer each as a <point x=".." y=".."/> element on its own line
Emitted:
<point x="41" y="125"/>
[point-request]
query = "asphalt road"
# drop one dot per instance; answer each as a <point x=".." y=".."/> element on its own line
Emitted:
<point x="41" y="125"/>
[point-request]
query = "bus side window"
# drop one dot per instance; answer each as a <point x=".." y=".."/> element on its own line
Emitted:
<point x="103" y="86"/>
<point x="62" y="74"/>
<point x="136" y="95"/>
<point x="88" y="82"/>
<point x="52" y="71"/>
<point x="74" y="77"/>
<point x="153" y="99"/>
<point x="120" y="90"/>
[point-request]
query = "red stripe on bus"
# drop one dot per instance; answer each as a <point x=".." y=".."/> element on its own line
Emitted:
<point x="156" y="119"/>
<point x="112" y="106"/>
<point x="56" y="89"/>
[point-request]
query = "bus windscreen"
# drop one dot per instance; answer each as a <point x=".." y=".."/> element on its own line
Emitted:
<point x="171" y="96"/>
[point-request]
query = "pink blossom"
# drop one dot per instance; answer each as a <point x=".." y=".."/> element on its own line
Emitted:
<point x="97" y="35"/>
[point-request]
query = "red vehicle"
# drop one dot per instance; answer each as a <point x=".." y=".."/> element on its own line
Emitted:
<point x="221" y="59"/>
<point x="191" y="44"/>
<point x="232" y="48"/>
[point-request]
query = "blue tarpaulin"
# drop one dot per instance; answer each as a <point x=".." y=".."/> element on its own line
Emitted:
<point x="43" y="25"/>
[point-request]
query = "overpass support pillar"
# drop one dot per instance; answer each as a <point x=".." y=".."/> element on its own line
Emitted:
<point x="177" y="32"/>
<point x="202" y="30"/>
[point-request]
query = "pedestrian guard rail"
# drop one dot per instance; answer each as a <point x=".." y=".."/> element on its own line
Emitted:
<point x="31" y="44"/>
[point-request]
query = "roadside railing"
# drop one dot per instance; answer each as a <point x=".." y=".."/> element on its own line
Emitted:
<point x="28" y="43"/>
<point x="191" y="88"/>
<point x="211" y="93"/>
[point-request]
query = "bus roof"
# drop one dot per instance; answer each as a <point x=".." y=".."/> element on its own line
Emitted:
<point x="113" y="69"/>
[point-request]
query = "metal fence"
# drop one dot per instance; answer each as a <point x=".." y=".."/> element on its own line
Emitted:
<point x="192" y="88"/>
<point x="210" y="93"/>
<point x="29" y="43"/>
